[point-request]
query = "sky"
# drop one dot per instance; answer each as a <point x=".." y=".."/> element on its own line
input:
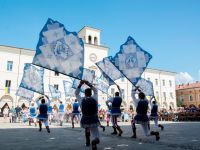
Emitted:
<point x="168" y="29"/>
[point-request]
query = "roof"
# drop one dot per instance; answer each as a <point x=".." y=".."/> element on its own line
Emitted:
<point x="161" y="71"/>
<point x="188" y="86"/>
<point x="88" y="27"/>
<point x="17" y="47"/>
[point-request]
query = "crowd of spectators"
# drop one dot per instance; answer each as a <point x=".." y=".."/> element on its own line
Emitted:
<point x="191" y="113"/>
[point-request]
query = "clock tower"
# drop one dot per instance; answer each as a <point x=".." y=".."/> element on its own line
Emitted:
<point x="94" y="52"/>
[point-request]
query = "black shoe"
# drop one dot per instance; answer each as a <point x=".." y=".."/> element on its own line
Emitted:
<point x="120" y="133"/>
<point x="161" y="126"/>
<point x="114" y="133"/>
<point x="157" y="137"/>
<point x="48" y="130"/>
<point x="94" y="146"/>
<point x="40" y="130"/>
<point x="103" y="128"/>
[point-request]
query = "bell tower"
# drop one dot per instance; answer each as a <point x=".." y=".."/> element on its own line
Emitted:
<point x="90" y="35"/>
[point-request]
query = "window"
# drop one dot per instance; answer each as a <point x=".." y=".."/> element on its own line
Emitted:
<point x="122" y="79"/>
<point x="56" y="86"/>
<point x="156" y="81"/>
<point x="170" y="83"/>
<point x="8" y="83"/>
<point x="190" y="98"/>
<point x="9" y="65"/>
<point x="112" y="91"/>
<point x="171" y="95"/>
<point x="164" y="95"/>
<point x="56" y="73"/>
<point x="89" y="39"/>
<point x="95" y="41"/>
<point x="123" y="93"/>
<point x="181" y="98"/>
<point x="157" y="95"/>
<point x="163" y="81"/>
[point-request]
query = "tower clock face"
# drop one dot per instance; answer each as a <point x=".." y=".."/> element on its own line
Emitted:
<point x="93" y="57"/>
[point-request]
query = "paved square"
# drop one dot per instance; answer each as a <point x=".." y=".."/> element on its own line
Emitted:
<point x="21" y="136"/>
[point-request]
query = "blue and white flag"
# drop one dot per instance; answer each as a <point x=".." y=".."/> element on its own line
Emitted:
<point x="88" y="75"/>
<point x="60" y="50"/>
<point x="54" y="92"/>
<point x="27" y="94"/>
<point x="103" y="83"/>
<point x="108" y="69"/>
<point x="146" y="87"/>
<point x="33" y="78"/>
<point x="69" y="91"/>
<point x="131" y="60"/>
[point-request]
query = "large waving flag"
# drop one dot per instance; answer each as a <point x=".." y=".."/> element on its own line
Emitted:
<point x="69" y="91"/>
<point x="146" y="87"/>
<point x="131" y="60"/>
<point x="27" y="94"/>
<point x="109" y="70"/>
<point x="103" y="83"/>
<point x="60" y="50"/>
<point x="54" y="92"/>
<point x="88" y="75"/>
<point x="33" y="78"/>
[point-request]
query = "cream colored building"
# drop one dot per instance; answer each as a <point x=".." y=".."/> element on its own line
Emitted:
<point x="12" y="62"/>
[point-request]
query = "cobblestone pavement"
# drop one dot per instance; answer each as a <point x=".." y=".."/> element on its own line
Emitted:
<point x="19" y="136"/>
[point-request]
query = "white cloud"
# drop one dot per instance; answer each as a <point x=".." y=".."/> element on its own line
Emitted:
<point x="184" y="77"/>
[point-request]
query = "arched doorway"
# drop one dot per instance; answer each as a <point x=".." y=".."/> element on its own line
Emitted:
<point x="2" y="109"/>
<point x="6" y="99"/>
<point x="23" y="102"/>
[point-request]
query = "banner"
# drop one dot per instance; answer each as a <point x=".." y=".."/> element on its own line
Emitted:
<point x="88" y="75"/>
<point x="131" y="60"/>
<point x="69" y="91"/>
<point x="109" y="70"/>
<point x="54" y="92"/>
<point x="7" y="90"/>
<point x="27" y="94"/>
<point x="146" y="87"/>
<point x="60" y="50"/>
<point x="33" y="78"/>
<point x="103" y="83"/>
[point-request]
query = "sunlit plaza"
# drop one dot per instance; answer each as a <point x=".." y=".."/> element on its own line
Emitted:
<point x="99" y="75"/>
<point x="176" y="135"/>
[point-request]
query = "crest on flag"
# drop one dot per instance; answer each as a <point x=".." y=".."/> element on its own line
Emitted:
<point x="60" y="50"/>
<point x="131" y="60"/>
<point x="146" y="87"/>
<point x="22" y="92"/>
<point x="54" y="92"/>
<point x="33" y="78"/>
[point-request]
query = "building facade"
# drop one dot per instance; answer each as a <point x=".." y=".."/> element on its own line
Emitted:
<point x="12" y="62"/>
<point x="188" y="94"/>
